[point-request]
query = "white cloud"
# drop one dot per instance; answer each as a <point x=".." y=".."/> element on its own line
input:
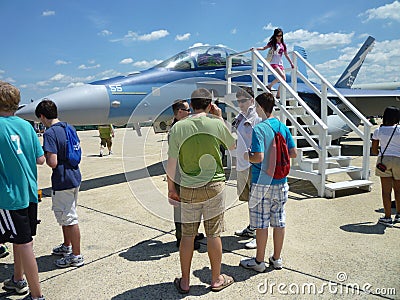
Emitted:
<point x="134" y="36"/>
<point x="144" y="64"/>
<point x="48" y="13"/>
<point x="75" y="84"/>
<point x="107" y="74"/>
<point x="154" y="35"/>
<point x="42" y="83"/>
<point x="389" y="11"/>
<point x="9" y="80"/>
<point x="198" y="45"/>
<point x="182" y="37"/>
<point x="126" y="61"/>
<point x="61" y="62"/>
<point x="269" y="26"/>
<point x="316" y="40"/>
<point x="85" y="67"/>
<point x="57" y="77"/>
<point x="234" y="31"/>
<point x="105" y="33"/>
<point x="379" y="66"/>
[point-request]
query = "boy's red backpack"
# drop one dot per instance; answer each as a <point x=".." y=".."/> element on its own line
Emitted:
<point x="279" y="160"/>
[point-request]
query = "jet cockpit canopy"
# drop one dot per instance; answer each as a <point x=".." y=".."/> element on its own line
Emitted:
<point x="203" y="57"/>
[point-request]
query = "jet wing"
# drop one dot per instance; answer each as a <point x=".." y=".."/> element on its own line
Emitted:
<point x="371" y="102"/>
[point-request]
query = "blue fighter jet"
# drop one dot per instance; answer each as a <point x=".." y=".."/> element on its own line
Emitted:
<point x="146" y="96"/>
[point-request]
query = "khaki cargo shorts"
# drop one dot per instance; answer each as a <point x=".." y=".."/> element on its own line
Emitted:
<point x="207" y="203"/>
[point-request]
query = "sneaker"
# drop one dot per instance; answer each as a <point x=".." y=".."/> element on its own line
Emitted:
<point x="62" y="250"/>
<point x="275" y="263"/>
<point x="4" y="251"/>
<point x="29" y="297"/>
<point x="385" y="221"/>
<point x="21" y="286"/>
<point x="70" y="261"/>
<point x="101" y="153"/>
<point x="110" y="152"/>
<point x="396" y="218"/>
<point x="247" y="232"/>
<point x="250" y="263"/>
<point x="252" y="244"/>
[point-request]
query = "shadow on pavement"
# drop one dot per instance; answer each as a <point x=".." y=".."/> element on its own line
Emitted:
<point x="165" y="290"/>
<point x="89" y="184"/>
<point x="365" y="228"/>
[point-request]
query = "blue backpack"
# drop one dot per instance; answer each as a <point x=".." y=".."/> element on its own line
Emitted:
<point x="73" y="151"/>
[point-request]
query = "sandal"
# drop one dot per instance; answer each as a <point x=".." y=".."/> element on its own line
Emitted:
<point x="228" y="280"/>
<point x="177" y="284"/>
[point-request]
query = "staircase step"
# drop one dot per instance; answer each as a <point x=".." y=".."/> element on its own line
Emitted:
<point x="340" y="170"/>
<point x="309" y="149"/>
<point x="329" y="159"/>
<point x="330" y="188"/>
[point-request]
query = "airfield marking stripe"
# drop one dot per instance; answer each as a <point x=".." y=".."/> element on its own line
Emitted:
<point x="129" y="93"/>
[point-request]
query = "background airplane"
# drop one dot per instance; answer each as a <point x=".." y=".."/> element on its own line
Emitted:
<point x="370" y="102"/>
<point x="394" y="85"/>
<point x="142" y="97"/>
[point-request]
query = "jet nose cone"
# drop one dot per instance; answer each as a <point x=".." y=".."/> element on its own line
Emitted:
<point x="83" y="105"/>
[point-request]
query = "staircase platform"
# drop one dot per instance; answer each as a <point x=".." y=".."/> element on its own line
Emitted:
<point x="331" y="188"/>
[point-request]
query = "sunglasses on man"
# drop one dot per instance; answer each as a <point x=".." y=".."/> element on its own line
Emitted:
<point x="243" y="100"/>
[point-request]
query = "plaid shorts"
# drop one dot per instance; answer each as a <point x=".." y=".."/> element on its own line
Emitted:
<point x="207" y="203"/>
<point x="267" y="205"/>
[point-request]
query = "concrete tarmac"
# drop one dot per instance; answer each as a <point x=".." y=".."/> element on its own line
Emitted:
<point x="334" y="248"/>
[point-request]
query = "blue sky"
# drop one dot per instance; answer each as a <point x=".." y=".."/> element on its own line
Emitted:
<point x="49" y="46"/>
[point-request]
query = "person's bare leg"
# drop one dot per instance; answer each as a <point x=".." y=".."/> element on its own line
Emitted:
<point x="386" y="187"/>
<point x="186" y="254"/>
<point x="214" y="249"/>
<point x="73" y="235"/>
<point x="279" y="236"/>
<point x="30" y="268"/>
<point x="67" y="238"/>
<point x="396" y="188"/>
<point x="18" y="267"/>
<point x="261" y="239"/>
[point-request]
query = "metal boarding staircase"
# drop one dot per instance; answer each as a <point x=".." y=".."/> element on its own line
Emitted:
<point x="306" y="125"/>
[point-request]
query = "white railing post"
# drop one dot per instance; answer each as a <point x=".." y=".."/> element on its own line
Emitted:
<point x="366" y="151"/>
<point x="324" y="103"/>
<point x="229" y="78"/>
<point x="322" y="158"/>
<point x="254" y="71"/>
<point x="294" y="71"/>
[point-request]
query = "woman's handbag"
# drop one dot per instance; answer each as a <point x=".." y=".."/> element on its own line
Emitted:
<point x="269" y="55"/>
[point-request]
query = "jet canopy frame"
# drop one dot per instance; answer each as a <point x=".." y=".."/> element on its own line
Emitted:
<point x="202" y="57"/>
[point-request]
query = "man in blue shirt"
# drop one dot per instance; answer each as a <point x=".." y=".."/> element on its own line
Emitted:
<point x="268" y="195"/>
<point x="20" y="151"/>
<point x="65" y="182"/>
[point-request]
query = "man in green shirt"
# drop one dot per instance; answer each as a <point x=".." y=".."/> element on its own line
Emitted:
<point x="194" y="143"/>
<point x="106" y="133"/>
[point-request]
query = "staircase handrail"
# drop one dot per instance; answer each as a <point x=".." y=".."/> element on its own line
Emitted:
<point x="325" y="85"/>
<point x="323" y="128"/>
<point x="334" y="91"/>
